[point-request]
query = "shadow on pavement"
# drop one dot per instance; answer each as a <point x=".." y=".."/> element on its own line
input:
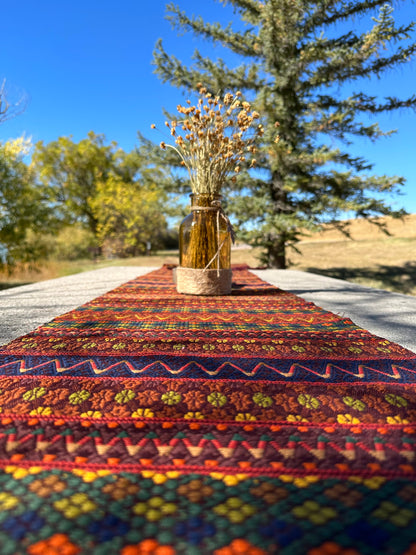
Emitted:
<point x="401" y="279"/>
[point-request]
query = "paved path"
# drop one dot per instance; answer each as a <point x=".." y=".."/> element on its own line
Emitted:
<point x="385" y="314"/>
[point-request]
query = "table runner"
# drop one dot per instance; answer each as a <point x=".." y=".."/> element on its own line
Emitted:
<point x="151" y="422"/>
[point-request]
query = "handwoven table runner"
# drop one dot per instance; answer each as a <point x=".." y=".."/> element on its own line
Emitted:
<point x="151" y="422"/>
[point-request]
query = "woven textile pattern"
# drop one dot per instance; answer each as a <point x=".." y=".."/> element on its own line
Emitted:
<point x="257" y="423"/>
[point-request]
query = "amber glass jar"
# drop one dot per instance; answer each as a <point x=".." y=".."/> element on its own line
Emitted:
<point x="205" y="235"/>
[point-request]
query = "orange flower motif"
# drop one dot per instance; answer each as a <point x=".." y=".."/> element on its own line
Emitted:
<point x="238" y="547"/>
<point x="58" y="544"/>
<point x="194" y="400"/>
<point x="148" y="547"/>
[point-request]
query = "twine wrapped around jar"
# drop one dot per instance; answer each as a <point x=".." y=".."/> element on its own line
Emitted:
<point x="194" y="281"/>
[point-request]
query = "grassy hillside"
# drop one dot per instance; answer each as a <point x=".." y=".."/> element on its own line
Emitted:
<point x="370" y="257"/>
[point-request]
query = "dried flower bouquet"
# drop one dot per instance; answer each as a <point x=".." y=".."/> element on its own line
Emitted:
<point x="212" y="139"/>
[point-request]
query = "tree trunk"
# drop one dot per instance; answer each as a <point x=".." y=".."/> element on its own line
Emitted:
<point x="276" y="243"/>
<point x="276" y="253"/>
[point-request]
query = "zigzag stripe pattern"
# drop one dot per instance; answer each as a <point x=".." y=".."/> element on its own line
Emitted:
<point x="324" y="371"/>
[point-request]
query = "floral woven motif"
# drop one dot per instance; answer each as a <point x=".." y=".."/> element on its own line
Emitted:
<point x="151" y="422"/>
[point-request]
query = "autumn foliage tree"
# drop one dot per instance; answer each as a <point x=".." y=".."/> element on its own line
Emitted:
<point x="303" y="65"/>
<point x="23" y="207"/>
<point x="111" y="193"/>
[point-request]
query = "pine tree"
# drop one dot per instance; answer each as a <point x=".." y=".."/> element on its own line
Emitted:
<point x="299" y="60"/>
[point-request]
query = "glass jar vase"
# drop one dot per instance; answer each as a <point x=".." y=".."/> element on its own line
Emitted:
<point x="205" y="238"/>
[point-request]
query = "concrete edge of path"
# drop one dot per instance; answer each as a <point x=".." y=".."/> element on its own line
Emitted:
<point x="388" y="315"/>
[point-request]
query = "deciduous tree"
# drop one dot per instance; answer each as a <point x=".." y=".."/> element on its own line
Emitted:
<point x="23" y="208"/>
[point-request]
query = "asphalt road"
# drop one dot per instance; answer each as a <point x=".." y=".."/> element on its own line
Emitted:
<point x="388" y="315"/>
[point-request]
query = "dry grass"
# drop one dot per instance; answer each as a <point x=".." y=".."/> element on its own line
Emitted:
<point x="369" y="258"/>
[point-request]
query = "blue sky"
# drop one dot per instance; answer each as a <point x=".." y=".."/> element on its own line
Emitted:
<point x="86" y="65"/>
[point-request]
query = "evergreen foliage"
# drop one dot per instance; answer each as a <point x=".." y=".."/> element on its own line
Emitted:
<point x="300" y="60"/>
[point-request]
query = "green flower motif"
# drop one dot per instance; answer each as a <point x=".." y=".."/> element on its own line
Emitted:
<point x="148" y="346"/>
<point x="58" y="346"/>
<point x="171" y="398"/>
<point x="217" y="399"/>
<point x="354" y="403"/>
<point x="34" y="393"/>
<point x="262" y="400"/>
<point x="124" y="396"/>
<point x="118" y="346"/>
<point x="79" y="397"/>
<point x="89" y="345"/>
<point x="314" y="512"/>
<point x="308" y="401"/>
<point x="398" y="516"/>
<point x="395" y="400"/>
<point x="235" y="510"/>
<point x="154" y="508"/>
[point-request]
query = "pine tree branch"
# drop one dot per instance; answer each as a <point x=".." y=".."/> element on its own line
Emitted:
<point x="222" y="78"/>
<point x="362" y="103"/>
<point x="171" y="70"/>
<point x="242" y="44"/>
<point x="250" y="10"/>
<point x="346" y="11"/>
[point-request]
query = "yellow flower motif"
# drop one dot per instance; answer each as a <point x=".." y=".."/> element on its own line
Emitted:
<point x="296" y="418"/>
<point x="19" y="473"/>
<point x="356" y="350"/>
<point x="245" y="417"/>
<point x="191" y="415"/>
<point x="238" y="347"/>
<point x="41" y="411"/>
<point x="143" y="413"/>
<point x="347" y="419"/>
<point x="91" y="414"/>
<point x="397" y="420"/>
<point x="298" y="349"/>
<point x="229" y="479"/>
<point x="158" y="477"/>
<point x="7" y="501"/>
<point x="88" y="476"/>
<point x="303" y="482"/>
<point x="208" y="347"/>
